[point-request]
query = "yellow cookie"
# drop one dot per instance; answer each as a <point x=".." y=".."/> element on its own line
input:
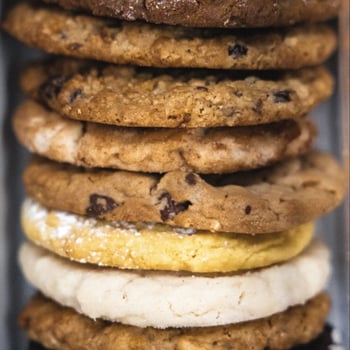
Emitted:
<point x="157" y="246"/>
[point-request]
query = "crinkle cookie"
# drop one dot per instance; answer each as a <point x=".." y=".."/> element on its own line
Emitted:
<point x="156" y="246"/>
<point x="61" y="328"/>
<point x="211" y="13"/>
<point x="84" y="36"/>
<point x="148" y="97"/>
<point x="163" y="299"/>
<point x="202" y="150"/>
<point x="267" y="200"/>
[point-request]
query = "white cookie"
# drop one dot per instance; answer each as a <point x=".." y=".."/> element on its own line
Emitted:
<point x="164" y="299"/>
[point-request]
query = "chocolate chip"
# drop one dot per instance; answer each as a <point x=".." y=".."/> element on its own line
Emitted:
<point x="257" y="108"/>
<point x="51" y="87"/>
<point x="237" y="51"/>
<point x="238" y="93"/>
<point x="191" y="179"/>
<point x="248" y="209"/>
<point x="73" y="96"/>
<point x="100" y="205"/>
<point x="282" y="96"/>
<point x="74" y="46"/>
<point x="172" y="208"/>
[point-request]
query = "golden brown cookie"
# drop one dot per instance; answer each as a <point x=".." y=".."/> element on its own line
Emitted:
<point x="146" y="97"/>
<point x="211" y="13"/>
<point x="262" y="201"/>
<point x="157" y="246"/>
<point x="215" y="150"/>
<point x="61" y="328"/>
<point x="61" y="32"/>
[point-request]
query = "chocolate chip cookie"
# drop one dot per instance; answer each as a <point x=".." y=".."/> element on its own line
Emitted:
<point x="261" y="201"/>
<point x="60" y="32"/>
<point x="148" y="97"/>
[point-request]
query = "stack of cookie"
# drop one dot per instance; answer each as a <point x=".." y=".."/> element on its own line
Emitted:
<point x="172" y="199"/>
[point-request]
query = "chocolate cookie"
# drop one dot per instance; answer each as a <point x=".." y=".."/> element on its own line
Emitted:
<point x="211" y="13"/>
<point x="146" y="97"/>
<point x="266" y="200"/>
<point x="60" y="32"/>
<point x="58" y="327"/>
<point x="214" y="150"/>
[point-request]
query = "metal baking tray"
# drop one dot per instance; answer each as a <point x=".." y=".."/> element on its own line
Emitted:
<point x="332" y="120"/>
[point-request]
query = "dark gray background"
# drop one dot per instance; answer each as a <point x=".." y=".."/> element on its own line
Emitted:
<point x="14" y="291"/>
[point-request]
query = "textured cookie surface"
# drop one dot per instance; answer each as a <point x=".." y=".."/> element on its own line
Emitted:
<point x="147" y="97"/>
<point x="60" y="32"/>
<point x="215" y="150"/>
<point x="156" y="246"/>
<point x="211" y="13"/>
<point x="165" y="299"/>
<point x="263" y="201"/>
<point x="61" y="328"/>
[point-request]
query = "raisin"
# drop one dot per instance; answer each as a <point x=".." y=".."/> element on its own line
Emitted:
<point x="237" y="51"/>
<point x="172" y="208"/>
<point x="100" y="205"/>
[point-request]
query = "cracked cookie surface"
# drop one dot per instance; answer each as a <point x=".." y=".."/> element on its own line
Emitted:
<point x="267" y="200"/>
<point x="163" y="299"/>
<point x="214" y="150"/>
<point x="211" y="13"/>
<point x="77" y="35"/>
<point x="146" y="97"/>
<point x="62" y="328"/>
